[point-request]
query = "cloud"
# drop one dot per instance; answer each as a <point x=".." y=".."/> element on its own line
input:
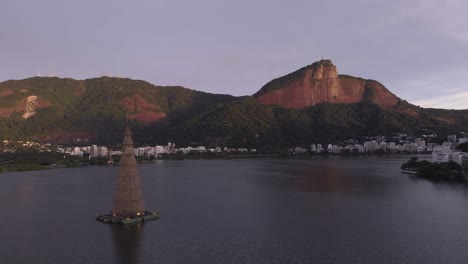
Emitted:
<point x="451" y="101"/>
<point x="443" y="89"/>
<point x="444" y="17"/>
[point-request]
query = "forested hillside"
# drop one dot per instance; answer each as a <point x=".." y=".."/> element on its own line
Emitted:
<point x="94" y="111"/>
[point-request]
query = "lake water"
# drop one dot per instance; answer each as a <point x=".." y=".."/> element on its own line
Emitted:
<point x="323" y="210"/>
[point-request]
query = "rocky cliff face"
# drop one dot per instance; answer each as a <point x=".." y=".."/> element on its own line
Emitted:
<point x="27" y="106"/>
<point x="139" y="109"/>
<point x="320" y="82"/>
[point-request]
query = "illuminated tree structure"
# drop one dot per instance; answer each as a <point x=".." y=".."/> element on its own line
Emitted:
<point x="128" y="206"/>
<point x="128" y="198"/>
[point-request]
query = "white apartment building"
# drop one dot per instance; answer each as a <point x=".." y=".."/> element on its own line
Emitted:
<point x="93" y="152"/>
<point x="299" y="150"/>
<point x="452" y="138"/>
<point x="371" y="145"/>
<point x="446" y="155"/>
<point x="319" y="148"/>
<point x="76" y="152"/>
<point x="160" y="150"/>
<point x="140" y="151"/>
<point x="313" y="148"/>
<point x="103" y="151"/>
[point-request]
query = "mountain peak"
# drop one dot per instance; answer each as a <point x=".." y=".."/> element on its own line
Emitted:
<point x="320" y="83"/>
<point x="322" y="62"/>
<point x="323" y="69"/>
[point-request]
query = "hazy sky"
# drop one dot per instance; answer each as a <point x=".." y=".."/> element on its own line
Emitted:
<point x="416" y="48"/>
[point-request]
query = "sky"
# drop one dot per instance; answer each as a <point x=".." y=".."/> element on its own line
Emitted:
<point x="417" y="48"/>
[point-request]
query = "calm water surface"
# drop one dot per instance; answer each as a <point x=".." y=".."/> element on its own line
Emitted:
<point x="324" y="210"/>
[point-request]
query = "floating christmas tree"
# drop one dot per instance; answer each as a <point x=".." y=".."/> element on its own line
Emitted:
<point x="129" y="198"/>
<point x="128" y="206"/>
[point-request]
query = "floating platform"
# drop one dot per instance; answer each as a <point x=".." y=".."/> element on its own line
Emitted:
<point x="124" y="220"/>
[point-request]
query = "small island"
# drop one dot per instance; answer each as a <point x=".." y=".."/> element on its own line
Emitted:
<point x="443" y="171"/>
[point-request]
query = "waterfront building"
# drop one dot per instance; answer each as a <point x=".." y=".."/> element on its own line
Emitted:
<point x="200" y="149"/>
<point x="93" y="152"/>
<point x="371" y="146"/>
<point x="383" y="146"/>
<point x="77" y="152"/>
<point x="442" y="156"/>
<point x="160" y="150"/>
<point x="103" y="152"/>
<point x="139" y="151"/>
<point x="313" y="148"/>
<point x="452" y="138"/>
<point x="150" y="151"/>
<point x="360" y="148"/>
<point x="86" y="149"/>
<point x="337" y="149"/>
<point x="319" y="148"/>
<point x="447" y="155"/>
<point x="299" y="150"/>
<point x="410" y="147"/>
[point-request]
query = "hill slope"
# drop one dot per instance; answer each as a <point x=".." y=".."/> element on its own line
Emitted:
<point x="247" y="122"/>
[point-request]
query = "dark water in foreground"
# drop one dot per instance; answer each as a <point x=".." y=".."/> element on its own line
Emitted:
<point x="336" y="210"/>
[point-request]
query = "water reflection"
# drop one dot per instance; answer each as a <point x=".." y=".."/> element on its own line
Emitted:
<point x="127" y="241"/>
<point x="25" y="191"/>
<point x="330" y="176"/>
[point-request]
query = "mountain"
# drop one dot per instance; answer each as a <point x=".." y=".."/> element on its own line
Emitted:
<point x="321" y="83"/>
<point x="311" y="105"/>
<point x="67" y="110"/>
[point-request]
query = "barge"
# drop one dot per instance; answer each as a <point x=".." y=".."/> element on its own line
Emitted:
<point x="127" y="219"/>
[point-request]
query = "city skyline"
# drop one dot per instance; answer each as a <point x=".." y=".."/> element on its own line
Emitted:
<point x="417" y="49"/>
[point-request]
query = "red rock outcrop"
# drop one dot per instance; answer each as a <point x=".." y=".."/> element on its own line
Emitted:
<point x="139" y="109"/>
<point x="320" y="82"/>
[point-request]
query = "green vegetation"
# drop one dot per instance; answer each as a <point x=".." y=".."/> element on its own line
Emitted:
<point x="28" y="160"/>
<point x="463" y="147"/>
<point x="445" y="171"/>
<point x="24" y="160"/>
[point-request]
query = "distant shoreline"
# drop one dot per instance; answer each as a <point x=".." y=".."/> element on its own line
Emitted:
<point x="34" y="163"/>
